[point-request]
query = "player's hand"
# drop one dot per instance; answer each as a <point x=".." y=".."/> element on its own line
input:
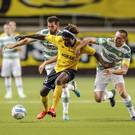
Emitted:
<point x="108" y="71"/>
<point x="108" y="65"/>
<point x="41" y="68"/>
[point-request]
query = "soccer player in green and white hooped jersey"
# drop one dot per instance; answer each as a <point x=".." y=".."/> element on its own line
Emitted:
<point x="114" y="51"/>
<point x="11" y="61"/>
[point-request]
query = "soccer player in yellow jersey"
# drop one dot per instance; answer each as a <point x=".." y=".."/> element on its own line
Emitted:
<point x="66" y="66"/>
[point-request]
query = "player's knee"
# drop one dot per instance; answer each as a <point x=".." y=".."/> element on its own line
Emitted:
<point x="98" y="97"/>
<point x="58" y="82"/>
<point x="98" y="100"/>
<point x="62" y="79"/>
<point x="44" y="91"/>
<point x="123" y="93"/>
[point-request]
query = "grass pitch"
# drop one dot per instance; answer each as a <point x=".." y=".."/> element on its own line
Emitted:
<point x="86" y="116"/>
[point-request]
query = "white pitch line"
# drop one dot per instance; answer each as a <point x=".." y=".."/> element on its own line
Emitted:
<point x="38" y="101"/>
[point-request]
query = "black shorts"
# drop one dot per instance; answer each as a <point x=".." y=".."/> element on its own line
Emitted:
<point x="50" y="79"/>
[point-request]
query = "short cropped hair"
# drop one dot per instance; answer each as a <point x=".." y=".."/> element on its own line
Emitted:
<point x="124" y="32"/>
<point x="53" y="19"/>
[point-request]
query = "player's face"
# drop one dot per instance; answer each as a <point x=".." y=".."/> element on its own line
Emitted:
<point x="53" y="27"/>
<point x="119" y="39"/>
<point x="69" y="42"/>
<point x="12" y="24"/>
<point x="7" y="29"/>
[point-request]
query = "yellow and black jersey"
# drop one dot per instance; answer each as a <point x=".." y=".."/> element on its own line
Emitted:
<point x="67" y="58"/>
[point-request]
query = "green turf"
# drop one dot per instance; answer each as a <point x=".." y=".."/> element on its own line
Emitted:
<point x="87" y="117"/>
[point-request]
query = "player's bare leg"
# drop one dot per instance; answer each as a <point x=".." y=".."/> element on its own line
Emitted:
<point x="126" y="99"/>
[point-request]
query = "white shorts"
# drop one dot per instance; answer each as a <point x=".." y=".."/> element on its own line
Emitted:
<point x="11" y="67"/>
<point x="49" y="68"/>
<point x="102" y="81"/>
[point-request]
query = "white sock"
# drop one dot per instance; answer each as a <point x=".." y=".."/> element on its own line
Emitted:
<point x="128" y="103"/>
<point x="107" y="95"/>
<point x="8" y="82"/>
<point x="65" y="100"/>
<point x="69" y="86"/>
<point x="19" y="85"/>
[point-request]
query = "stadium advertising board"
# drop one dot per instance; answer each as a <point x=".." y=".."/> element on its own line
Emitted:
<point x="85" y="7"/>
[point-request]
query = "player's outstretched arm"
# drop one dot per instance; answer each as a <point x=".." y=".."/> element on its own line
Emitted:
<point x="84" y="42"/>
<point x="36" y="36"/>
<point x="22" y="42"/>
<point x="105" y="64"/>
<point x="121" y="71"/>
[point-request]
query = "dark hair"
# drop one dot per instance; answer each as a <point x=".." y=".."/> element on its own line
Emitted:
<point x="53" y="19"/>
<point x="123" y="31"/>
<point x="72" y="28"/>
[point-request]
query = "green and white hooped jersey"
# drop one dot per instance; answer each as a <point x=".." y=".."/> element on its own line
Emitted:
<point x="8" y="53"/>
<point x="50" y="50"/>
<point x="110" y="53"/>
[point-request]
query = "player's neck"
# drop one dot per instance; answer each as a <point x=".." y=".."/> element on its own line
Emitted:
<point x="54" y="33"/>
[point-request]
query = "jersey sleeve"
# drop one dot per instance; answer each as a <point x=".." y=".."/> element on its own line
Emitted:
<point x="42" y="32"/>
<point x="126" y="58"/>
<point x="101" y="41"/>
<point x="53" y="39"/>
<point x="89" y="50"/>
<point x="127" y="55"/>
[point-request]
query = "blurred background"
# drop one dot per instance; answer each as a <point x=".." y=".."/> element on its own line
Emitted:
<point x="93" y="17"/>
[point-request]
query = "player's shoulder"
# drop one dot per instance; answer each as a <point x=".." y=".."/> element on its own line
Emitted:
<point x="110" y="39"/>
<point x="102" y="40"/>
<point x="43" y="31"/>
<point x="126" y="48"/>
<point x="59" y="33"/>
<point x="55" y="38"/>
<point x="59" y="38"/>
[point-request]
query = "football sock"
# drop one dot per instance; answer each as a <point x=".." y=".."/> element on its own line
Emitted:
<point x="19" y="85"/>
<point x="107" y="95"/>
<point x="69" y="86"/>
<point x="45" y="103"/>
<point x="8" y="85"/>
<point x="56" y="95"/>
<point x="65" y="100"/>
<point x="128" y="103"/>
